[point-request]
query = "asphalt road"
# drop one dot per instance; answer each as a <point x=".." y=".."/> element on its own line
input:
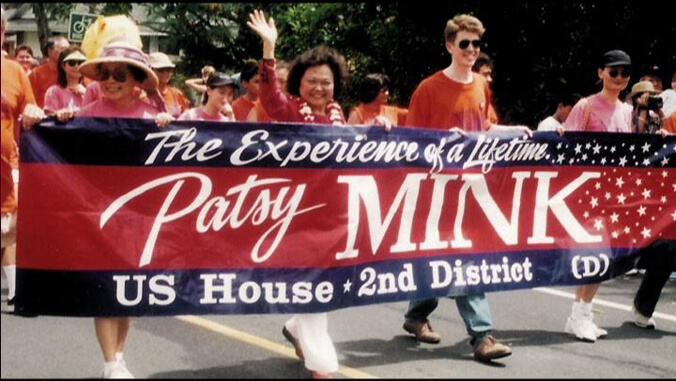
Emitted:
<point x="369" y="340"/>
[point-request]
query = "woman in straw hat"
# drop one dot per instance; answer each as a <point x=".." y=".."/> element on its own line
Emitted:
<point x="120" y="69"/>
<point x="65" y="98"/>
<point x="645" y="117"/>
<point x="217" y="103"/>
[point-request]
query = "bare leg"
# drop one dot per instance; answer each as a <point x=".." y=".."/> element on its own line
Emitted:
<point x="107" y="333"/>
<point x="124" y="326"/>
<point x="9" y="255"/>
<point x="9" y="267"/>
<point x="586" y="292"/>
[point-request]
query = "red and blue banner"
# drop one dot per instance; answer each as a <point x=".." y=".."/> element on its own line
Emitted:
<point x="118" y="217"/>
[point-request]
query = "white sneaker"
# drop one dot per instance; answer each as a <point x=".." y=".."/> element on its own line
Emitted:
<point x="116" y="370"/>
<point x="642" y="321"/>
<point x="581" y="328"/>
<point x="599" y="332"/>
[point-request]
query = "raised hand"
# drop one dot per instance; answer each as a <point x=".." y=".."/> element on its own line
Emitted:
<point x="267" y="31"/>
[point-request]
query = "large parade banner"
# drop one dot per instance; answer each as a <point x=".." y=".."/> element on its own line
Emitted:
<point x="118" y="217"/>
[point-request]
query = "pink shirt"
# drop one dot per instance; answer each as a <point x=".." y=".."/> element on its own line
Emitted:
<point x="198" y="113"/>
<point x="93" y="93"/>
<point x="106" y="109"/>
<point x="58" y="98"/>
<point x="603" y="116"/>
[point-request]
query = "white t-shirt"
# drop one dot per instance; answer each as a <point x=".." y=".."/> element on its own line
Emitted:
<point x="669" y="97"/>
<point x="549" y="124"/>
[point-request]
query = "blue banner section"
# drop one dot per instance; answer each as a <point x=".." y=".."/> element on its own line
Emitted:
<point x="258" y="291"/>
<point x="136" y="142"/>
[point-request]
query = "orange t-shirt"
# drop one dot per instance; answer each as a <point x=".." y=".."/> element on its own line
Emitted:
<point x="440" y="102"/>
<point x="670" y="124"/>
<point x="396" y="114"/>
<point x="241" y="108"/>
<point x="261" y="115"/>
<point x="42" y="78"/>
<point x="16" y="94"/>
<point x="176" y="101"/>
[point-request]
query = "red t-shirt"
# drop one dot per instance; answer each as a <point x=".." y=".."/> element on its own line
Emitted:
<point x="42" y="78"/>
<point x="16" y="94"/>
<point x="440" y="102"/>
<point x="241" y="108"/>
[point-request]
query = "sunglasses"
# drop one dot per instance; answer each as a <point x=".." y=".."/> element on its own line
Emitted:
<point x="118" y="75"/>
<point x="74" y="63"/>
<point x="624" y="73"/>
<point x="464" y="44"/>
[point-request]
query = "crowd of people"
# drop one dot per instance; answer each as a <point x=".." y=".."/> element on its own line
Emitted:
<point x="124" y="82"/>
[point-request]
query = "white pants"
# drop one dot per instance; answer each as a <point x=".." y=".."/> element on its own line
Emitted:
<point x="312" y="332"/>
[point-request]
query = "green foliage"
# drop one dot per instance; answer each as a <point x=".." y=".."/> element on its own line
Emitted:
<point x="540" y="48"/>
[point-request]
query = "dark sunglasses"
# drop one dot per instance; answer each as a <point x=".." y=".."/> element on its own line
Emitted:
<point x="624" y="73"/>
<point x="118" y="75"/>
<point x="74" y="63"/>
<point x="464" y="44"/>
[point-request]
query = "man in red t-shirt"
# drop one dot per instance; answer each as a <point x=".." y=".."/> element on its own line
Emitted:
<point x="457" y="99"/>
<point x="45" y="75"/>
<point x="243" y="105"/>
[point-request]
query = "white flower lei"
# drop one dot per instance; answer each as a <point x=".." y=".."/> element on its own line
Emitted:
<point x="333" y="108"/>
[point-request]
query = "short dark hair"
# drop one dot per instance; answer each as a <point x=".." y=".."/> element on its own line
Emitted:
<point x="249" y="70"/>
<point x="371" y="85"/>
<point x="320" y="55"/>
<point x="24" y="47"/>
<point x="483" y="59"/>
<point x="569" y="99"/>
<point x="61" y="77"/>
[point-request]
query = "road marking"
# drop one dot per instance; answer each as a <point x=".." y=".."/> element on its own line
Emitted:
<point x="601" y="302"/>
<point x="260" y="342"/>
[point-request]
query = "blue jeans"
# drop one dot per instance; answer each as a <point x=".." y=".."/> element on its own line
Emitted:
<point x="474" y="310"/>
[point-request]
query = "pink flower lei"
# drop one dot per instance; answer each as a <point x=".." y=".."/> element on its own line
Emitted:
<point x="333" y="108"/>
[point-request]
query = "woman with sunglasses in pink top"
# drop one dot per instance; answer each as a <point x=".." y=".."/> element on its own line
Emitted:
<point x="601" y="112"/>
<point x="65" y="98"/>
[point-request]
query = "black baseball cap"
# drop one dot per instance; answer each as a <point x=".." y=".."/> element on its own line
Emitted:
<point x="220" y="79"/>
<point x="615" y="58"/>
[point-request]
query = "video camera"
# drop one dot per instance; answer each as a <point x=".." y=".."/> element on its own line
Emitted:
<point x="655" y="103"/>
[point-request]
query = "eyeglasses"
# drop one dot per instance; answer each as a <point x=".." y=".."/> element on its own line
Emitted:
<point x="624" y="73"/>
<point x="118" y="75"/>
<point x="464" y="44"/>
<point x="74" y="63"/>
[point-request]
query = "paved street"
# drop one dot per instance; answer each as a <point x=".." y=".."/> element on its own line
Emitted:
<point x="369" y="340"/>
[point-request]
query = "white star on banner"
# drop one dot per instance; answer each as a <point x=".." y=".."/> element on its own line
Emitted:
<point x="621" y="198"/>
<point x="646" y="147"/>
<point x="594" y="202"/>
<point x="641" y="210"/>
<point x="578" y="149"/>
<point x="619" y="182"/>
<point x="346" y="286"/>
<point x="614" y="217"/>
<point x="646" y="193"/>
<point x="598" y="224"/>
<point x="597" y="149"/>
<point x="645" y="232"/>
